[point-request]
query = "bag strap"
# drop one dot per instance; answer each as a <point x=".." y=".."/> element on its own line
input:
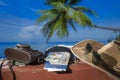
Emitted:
<point x="1" y="70"/>
<point x="11" y="64"/>
<point x="11" y="69"/>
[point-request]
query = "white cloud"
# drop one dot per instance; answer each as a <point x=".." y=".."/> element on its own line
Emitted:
<point x="30" y="33"/>
<point x="3" y="4"/>
<point x="16" y="28"/>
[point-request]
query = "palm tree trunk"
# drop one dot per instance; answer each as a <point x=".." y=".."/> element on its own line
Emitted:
<point x="106" y="28"/>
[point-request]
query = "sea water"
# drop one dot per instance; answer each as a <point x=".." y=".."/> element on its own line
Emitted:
<point x="35" y="45"/>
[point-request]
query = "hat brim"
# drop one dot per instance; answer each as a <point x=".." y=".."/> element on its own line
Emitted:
<point x="87" y="58"/>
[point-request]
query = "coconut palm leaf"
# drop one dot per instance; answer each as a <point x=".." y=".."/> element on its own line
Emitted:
<point x="58" y="18"/>
<point x="67" y="2"/>
<point x="79" y="17"/>
<point x="72" y="24"/>
<point x="47" y="15"/>
<point x="49" y="2"/>
<point x="54" y="28"/>
<point x="73" y="2"/>
<point x="63" y="30"/>
<point x="48" y="26"/>
<point x="85" y="21"/>
<point x="62" y="14"/>
<point x="84" y="9"/>
<point x="59" y="6"/>
<point x="64" y="27"/>
<point x="59" y="27"/>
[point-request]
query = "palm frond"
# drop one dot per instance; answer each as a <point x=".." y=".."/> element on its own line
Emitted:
<point x="54" y="28"/>
<point x="63" y="30"/>
<point x="59" y="6"/>
<point x="71" y="14"/>
<point x="58" y="26"/>
<point x="48" y="2"/>
<point x="72" y="24"/>
<point x="84" y="9"/>
<point x="63" y="14"/>
<point x="78" y="17"/>
<point x="73" y="2"/>
<point x="46" y="28"/>
<point x="51" y="1"/>
<point x="85" y="21"/>
<point x="46" y="16"/>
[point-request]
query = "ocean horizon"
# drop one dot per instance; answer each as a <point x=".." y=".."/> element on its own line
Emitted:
<point x="36" y="45"/>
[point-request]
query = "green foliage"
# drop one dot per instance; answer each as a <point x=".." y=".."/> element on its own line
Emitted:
<point x="84" y="9"/>
<point x="67" y="2"/>
<point x="59" y="6"/>
<point x="47" y="15"/>
<point x="73" y="2"/>
<point x="61" y="15"/>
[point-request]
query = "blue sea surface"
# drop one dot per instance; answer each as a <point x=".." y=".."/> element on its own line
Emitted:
<point x="35" y="45"/>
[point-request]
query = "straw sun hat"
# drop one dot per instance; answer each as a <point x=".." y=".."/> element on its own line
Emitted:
<point x="103" y="57"/>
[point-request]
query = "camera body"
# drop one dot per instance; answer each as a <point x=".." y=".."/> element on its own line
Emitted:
<point x="23" y="53"/>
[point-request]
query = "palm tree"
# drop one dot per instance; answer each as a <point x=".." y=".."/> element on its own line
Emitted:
<point x="63" y="14"/>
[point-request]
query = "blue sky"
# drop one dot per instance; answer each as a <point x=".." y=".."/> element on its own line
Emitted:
<point x="17" y="19"/>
